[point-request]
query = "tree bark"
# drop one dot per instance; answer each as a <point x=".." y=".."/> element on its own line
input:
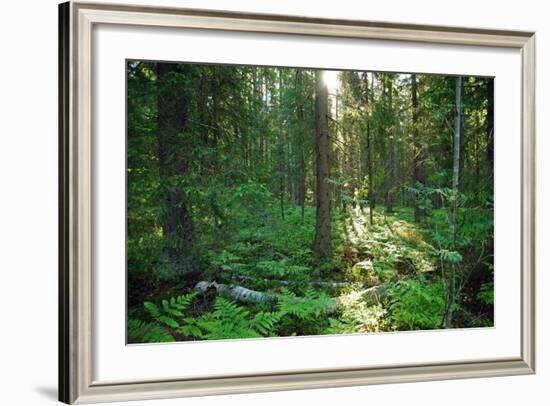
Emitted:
<point x="281" y="149"/>
<point x="418" y="161"/>
<point x="370" y="296"/>
<point x="455" y="191"/>
<point x="391" y="155"/>
<point x="301" y="146"/>
<point x="322" y="242"/>
<point x="317" y="284"/>
<point x="178" y="226"/>
<point x="370" y="151"/>
<point x="490" y="127"/>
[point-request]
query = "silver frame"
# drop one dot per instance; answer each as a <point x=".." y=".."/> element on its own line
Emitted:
<point x="76" y="21"/>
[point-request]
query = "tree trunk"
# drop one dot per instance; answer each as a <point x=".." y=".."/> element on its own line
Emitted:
<point x="418" y="161"/>
<point x="322" y="242"/>
<point x="391" y="158"/>
<point x="463" y="141"/>
<point x="301" y="147"/>
<point x="340" y="159"/>
<point x="281" y="149"/>
<point x="370" y="151"/>
<point x="455" y="191"/>
<point x="257" y="105"/>
<point x="490" y="127"/>
<point x="290" y="169"/>
<point x="178" y="226"/>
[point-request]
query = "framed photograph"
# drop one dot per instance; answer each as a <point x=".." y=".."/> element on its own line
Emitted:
<point x="263" y="202"/>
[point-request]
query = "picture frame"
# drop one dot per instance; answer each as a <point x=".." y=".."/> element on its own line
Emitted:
<point x="76" y="216"/>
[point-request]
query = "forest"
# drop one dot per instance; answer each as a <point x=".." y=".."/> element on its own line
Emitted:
<point x="273" y="202"/>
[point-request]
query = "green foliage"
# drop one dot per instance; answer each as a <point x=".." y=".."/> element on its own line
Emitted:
<point x="229" y="320"/>
<point x="486" y="293"/>
<point x="251" y="195"/>
<point x="282" y="270"/>
<point x="226" y="320"/>
<point x="395" y="247"/>
<point x="452" y="257"/>
<point x="393" y="244"/>
<point x="358" y="317"/>
<point x="423" y="196"/>
<point x="143" y="332"/>
<point x="170" y="309"/>
<point x="312" y="304"/>
<point x="416" y="304"/>
<point x="243" y="155"/>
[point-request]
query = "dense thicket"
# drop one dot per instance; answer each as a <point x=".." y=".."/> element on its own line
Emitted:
<point x="277" y="201"/>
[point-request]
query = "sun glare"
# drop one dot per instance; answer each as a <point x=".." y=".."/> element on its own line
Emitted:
<point x="330" y="77"/>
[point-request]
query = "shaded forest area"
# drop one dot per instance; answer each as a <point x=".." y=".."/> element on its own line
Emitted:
<point x="268" y="202"/>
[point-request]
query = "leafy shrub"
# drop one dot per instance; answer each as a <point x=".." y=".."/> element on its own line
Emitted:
<point x="423" y="196"/>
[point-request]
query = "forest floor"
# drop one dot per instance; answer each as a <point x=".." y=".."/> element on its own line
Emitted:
<point x="384" y="276"/>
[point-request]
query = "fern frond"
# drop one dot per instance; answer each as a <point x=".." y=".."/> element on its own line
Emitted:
<point x="228" y="320"/>
<point x="170" y="322"/>
<point x="312" y="304"/>
<point x="142" y="332"/>
<point x="153" y="309"/>
<point x="170" y="311"/>
<point x="265" y="322"/>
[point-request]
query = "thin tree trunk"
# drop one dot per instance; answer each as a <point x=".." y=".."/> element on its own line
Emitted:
<point x="391" y="157"/>
<point x="322" y="242"/>
<point x="463" y="141"/>
<point x="302" y="185"/>
<point x="257" y="105"/>
<point x="455" y="191"/>
<point x="290" y="168"/>
<point x="281" y="149"/>
<point x="418" y="160"/>
<point x="490" y="127"/>
<point x="301" y="147"/>
<point x="341" y="162"/>
<point x="370" y="149"/>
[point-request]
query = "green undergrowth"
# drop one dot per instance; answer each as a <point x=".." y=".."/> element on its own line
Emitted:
<point x="269" y="254"/>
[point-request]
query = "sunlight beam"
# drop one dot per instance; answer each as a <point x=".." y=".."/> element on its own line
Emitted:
<point x="330" y="77"/>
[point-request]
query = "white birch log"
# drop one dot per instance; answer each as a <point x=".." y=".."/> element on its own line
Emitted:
<point x="371" y="296"/>
<point x="237" y="293"/>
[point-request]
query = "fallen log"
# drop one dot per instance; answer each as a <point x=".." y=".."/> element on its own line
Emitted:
<point x="317" y="284"/>
<point x="371" y="296"/>
<point x="238" y="293"/>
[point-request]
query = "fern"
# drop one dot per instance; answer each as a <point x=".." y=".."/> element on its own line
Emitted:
<point x="265" y="322"/>
<point x="190" y="329"/>
<point x="357" y="316"/>
<point x="170" y="310"/>
<point x="416" y="304"/>
<point x="229" y="320"/>
<point x="313" y="304"/>
<point x="142" y="332"/>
